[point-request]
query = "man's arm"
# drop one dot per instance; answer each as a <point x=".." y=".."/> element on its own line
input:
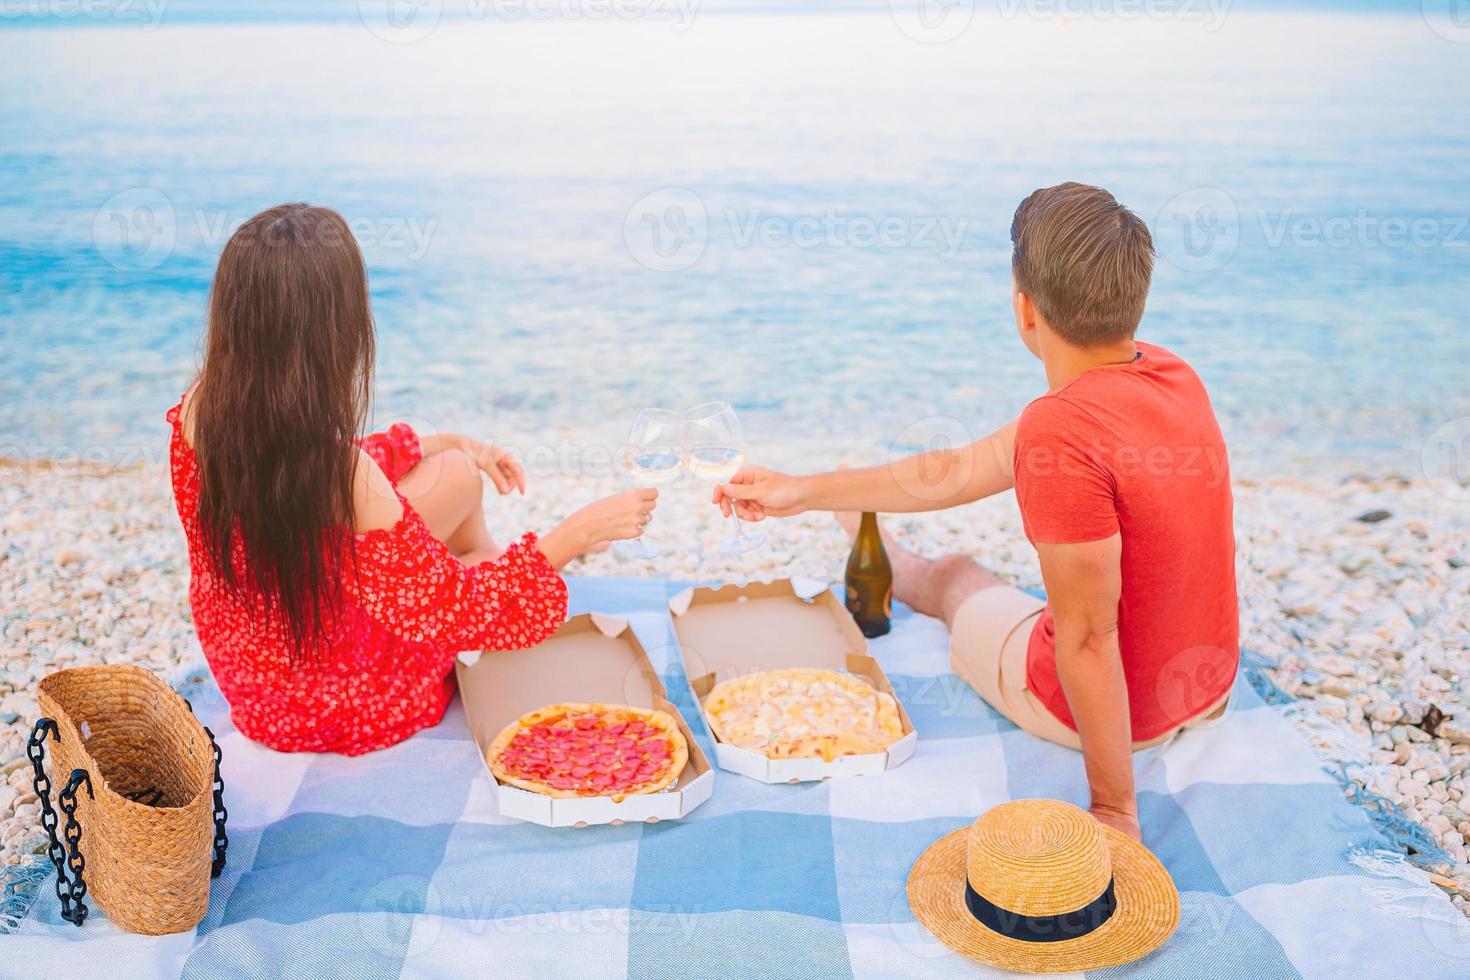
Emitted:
<point x="933" y="480"/>
<point x="1083" y="584"/>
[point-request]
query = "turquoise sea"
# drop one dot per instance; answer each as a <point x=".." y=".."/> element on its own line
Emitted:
<point x="572" y="209"/>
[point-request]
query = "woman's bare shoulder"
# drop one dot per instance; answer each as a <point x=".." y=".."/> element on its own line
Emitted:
<point x="186" y="413"/>
<point x="375" y="504"/>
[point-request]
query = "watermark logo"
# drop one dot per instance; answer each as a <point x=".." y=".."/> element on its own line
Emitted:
<point x="147" y="14"/>
<point x="1450" y="19"/>
<point x="932" y="21"/>
<point x="1209" y="12"/>
<point x="1444" y="927"/>
<point x="409" y="21"/>
<point x="1198" y="230"/>
<point x="399" y="916"/>
<point x="1361" y="229"/>
<point x="910" y="935"/>
<point x="1445" y="459"/>
<point x="400" y="21"/>
<point x="135" y="229"/>
<point x="831" y="228"/>
<point x="1193" y="679"/>
<point x="944" y="463"/>
<point x="666" y="231"/>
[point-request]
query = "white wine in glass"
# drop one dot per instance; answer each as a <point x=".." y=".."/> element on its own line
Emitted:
<point x="714" y="445"/>
<point x="715" y="463"/>
<point x="654" y="455"/>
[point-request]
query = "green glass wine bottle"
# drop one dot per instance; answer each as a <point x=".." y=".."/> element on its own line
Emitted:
<point x="869" y="580"/>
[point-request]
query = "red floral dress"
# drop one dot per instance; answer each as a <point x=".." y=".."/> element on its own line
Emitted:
<point x="407" y="609"/>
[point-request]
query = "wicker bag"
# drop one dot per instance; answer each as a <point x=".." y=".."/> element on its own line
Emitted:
<point x="141" y="793"/>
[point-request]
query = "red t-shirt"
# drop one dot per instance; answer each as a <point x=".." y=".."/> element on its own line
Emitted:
<point x="1136" y="449"/>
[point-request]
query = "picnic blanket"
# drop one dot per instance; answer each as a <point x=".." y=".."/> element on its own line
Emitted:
<point x="397" y="863"/>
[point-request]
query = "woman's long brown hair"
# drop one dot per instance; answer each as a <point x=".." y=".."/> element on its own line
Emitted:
<point x="284" y="391"/>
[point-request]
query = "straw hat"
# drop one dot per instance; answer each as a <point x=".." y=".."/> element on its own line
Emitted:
<point x="1050" y="890"/>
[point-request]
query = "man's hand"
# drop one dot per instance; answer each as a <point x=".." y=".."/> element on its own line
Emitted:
<point x="757" y="493"/>
<point x="498" y="464"/>
<point x="1118" y="818"/>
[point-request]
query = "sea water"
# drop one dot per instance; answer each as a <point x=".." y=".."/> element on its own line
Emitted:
<point x="801" y="211"/>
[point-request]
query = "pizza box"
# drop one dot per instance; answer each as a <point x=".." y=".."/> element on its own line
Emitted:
<point x="591" y="658"/>
<point x="732" y="630"/>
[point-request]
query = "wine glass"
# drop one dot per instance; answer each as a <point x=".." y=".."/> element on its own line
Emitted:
<point x="714" y="446"/>
<point x="654" y="455"/>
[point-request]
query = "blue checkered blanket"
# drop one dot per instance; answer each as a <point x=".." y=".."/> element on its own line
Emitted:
<point x="397" y="863"/>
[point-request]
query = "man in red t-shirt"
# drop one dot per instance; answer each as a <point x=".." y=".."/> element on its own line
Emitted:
<point x="1123" y="484"/>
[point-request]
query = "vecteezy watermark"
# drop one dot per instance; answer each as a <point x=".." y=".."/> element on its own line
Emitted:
<point x="942" y="463"/>
<point x="401" y="916"/>
<point x="932" y="21"/>
<point x="99" y="458"/>
<point x="1445" y="459"/>
<point x="146" y="14"/>
<point x="835" y="229"/>
<point x="1198" y="230"/>
<point x="938" y="21"/>
<point x="1362" y="229"/>
<point x="1206" y="465"/>
<point x="1450" y="19"/>
<point x="137" y="229"/>
<point x="400" y="21"/>
<point x="409" y="235"/>
<point x="1211" y="13"/>
<point x="407" y="21"/>
<point x="1193" y="679"/>
<point x="668" y="230"/>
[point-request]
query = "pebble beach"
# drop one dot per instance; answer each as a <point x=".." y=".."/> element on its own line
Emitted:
<point x="1355" y="600"/>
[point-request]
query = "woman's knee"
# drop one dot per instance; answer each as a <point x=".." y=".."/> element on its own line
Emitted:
<point x="457" y="472"/>
<point x="447" y="482"/>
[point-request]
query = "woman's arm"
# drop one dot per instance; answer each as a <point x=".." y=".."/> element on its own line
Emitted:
<point x="377" y="507"/>
<point x="496" y="463"/>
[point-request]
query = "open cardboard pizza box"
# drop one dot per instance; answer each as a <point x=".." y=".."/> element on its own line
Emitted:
<point x="592" y="658"/>
<point x="733" y="630"/>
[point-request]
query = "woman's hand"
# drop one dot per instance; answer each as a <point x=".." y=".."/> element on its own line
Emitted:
<point x="499" y="465"/>
<point x="621" y="516"/>
<point x="614" y="518"/>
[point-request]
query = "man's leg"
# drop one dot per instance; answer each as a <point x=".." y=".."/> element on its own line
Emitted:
<point x="988" y="637"/>
<point x="935" y="587"/>
<point x="446" y="490"/>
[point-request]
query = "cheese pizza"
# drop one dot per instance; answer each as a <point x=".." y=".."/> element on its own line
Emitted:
<point x="589" y="750"/>
<point x="796" y="713"/>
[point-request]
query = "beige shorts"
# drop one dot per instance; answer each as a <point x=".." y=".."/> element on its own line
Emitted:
<point x="987" y="648"/>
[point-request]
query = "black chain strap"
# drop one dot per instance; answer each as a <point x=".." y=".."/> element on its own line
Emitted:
<point x="36" y="752"/>
<point x="221" y="839"/>
<point x="67" y="800"/>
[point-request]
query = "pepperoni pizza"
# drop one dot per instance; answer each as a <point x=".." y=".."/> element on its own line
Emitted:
<point x="589" y="750"/>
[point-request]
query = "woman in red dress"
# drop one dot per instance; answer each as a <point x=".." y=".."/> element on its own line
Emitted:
<point x="334" y="579"/>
